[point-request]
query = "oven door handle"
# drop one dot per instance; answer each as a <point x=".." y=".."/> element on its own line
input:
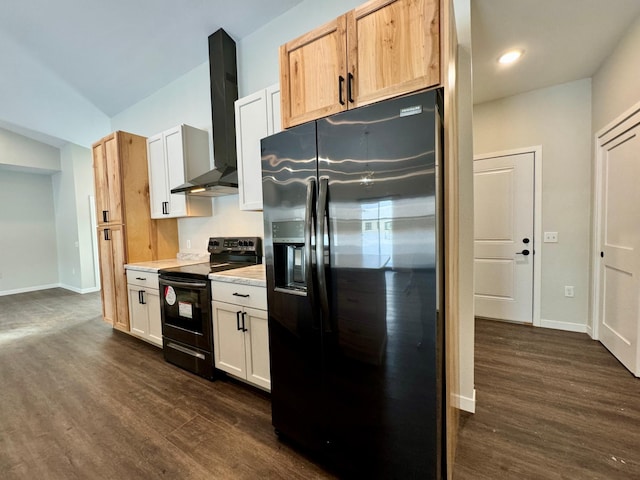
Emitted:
<point x="176" y="283"/>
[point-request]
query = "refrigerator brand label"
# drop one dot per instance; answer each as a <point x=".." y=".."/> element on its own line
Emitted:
<point x="406" y="112"/>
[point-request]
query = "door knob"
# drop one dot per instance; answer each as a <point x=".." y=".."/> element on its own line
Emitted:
<point x="525" y="240"/>
<point x="524" y="252"/>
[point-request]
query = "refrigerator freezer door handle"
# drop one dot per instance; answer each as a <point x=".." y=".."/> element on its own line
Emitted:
<point x="309" y="217"/>
<point x="322" y="281"/>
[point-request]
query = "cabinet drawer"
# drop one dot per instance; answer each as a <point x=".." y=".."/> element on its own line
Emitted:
<point x="245" y="295"/>
<point x="142" y="279"/>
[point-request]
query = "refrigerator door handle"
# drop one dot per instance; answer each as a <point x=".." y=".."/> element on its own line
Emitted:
<point x="322" y="280"/>
<point x="309" y="217"/>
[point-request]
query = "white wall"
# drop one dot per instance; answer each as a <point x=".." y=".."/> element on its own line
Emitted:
<point x="258" y="53"/>
<point x="28" y="253"/>
<point x="615" y="84"/>
<point x="24" y="154"/>
<point x="72" y="188"/>
<point x="559" y="119"/>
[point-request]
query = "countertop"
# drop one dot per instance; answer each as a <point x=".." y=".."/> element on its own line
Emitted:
<point x="254" y="275"/>
<point x="154" y="265"/>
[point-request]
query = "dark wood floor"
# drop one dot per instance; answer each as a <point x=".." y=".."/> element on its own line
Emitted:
<point x="550" y="405"/>
<point x="80" y="401"/>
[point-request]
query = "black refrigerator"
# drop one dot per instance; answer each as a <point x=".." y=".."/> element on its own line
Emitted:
<point x="353" y="253"/>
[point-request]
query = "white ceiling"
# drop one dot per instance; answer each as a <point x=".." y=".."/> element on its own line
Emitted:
<point x="563" y="40"/>
<point x="115" y="53"/>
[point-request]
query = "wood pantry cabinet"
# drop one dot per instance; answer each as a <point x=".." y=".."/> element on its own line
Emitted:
<point x="380" y="50"/>
<point x="126" y="232"/>
<point x="257" y="116"/>
<point x="241" y="332"/>
<point x="111" y="246"/>
<point x="176" y="156"/>
<point x="144" y="305"/>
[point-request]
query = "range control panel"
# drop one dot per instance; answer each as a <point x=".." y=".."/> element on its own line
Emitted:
<point x="250" y="245"/>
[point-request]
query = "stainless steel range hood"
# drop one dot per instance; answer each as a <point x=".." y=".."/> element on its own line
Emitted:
<point x="223" y="180"/>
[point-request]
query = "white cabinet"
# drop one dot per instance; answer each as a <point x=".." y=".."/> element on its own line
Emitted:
<point x="176" y="156"/>
<point x="240" y="332"/>
<point x="257" y="116"/>
<point x="144" y="306"/>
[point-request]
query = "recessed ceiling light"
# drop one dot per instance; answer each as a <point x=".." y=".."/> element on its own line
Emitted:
<point x="510" y="56"/>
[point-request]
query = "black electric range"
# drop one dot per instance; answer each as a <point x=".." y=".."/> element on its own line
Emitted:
<point x="187" y="327"/>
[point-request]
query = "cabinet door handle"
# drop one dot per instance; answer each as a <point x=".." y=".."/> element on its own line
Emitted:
<point x="165" y="208"/>
<point x="340" y="89"/>
<point x="142" y="297"/>
<point x="105" y="216"/>
<point x="236" y="294"/>
<point x="244" y="328"/>
<point x="238" y="320"/>
<point x="350" y="87"/>
<point x="106" y="234"/>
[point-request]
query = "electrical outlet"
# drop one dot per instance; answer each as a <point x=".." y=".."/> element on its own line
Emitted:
<point x="550" y="237"/>
<point x="188" y="243"/>
<point x="568" y="291"/>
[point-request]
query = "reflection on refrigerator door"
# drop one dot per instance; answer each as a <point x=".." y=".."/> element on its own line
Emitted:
<point x="355" y="334"/>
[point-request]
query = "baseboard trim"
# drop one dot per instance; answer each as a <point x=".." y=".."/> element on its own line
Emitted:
<point x="468" y="404"/>
<point x="48" y="287"/>
<point x="28" y="289"/>
<point x="590" y="331"/>
<point x="79" y="290"/>
<point x="567" y="326"/>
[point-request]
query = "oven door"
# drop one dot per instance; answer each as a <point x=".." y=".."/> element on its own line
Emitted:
<point x="186" y="311"/>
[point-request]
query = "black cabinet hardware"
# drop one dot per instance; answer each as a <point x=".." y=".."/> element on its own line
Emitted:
<point x="340" y="89"/>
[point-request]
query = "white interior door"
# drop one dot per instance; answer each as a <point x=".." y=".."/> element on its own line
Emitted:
<point x="620" y="248"/>
<point x="504" y="240"/>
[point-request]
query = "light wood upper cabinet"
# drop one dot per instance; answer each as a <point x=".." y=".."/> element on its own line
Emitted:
<point x="257" y="116"/>
<point x="394" y="48"/>
<point x="313" y="70"/>
<point x="380" y="50"/>
<point x="176" y="156"/>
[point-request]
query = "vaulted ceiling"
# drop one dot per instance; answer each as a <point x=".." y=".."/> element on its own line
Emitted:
<point x="107" y="56"/>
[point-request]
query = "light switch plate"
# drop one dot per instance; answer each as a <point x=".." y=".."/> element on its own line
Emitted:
<point x="550" y="237"/>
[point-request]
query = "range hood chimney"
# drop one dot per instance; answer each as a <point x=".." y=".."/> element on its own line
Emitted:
<point x="222" y="180"/>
